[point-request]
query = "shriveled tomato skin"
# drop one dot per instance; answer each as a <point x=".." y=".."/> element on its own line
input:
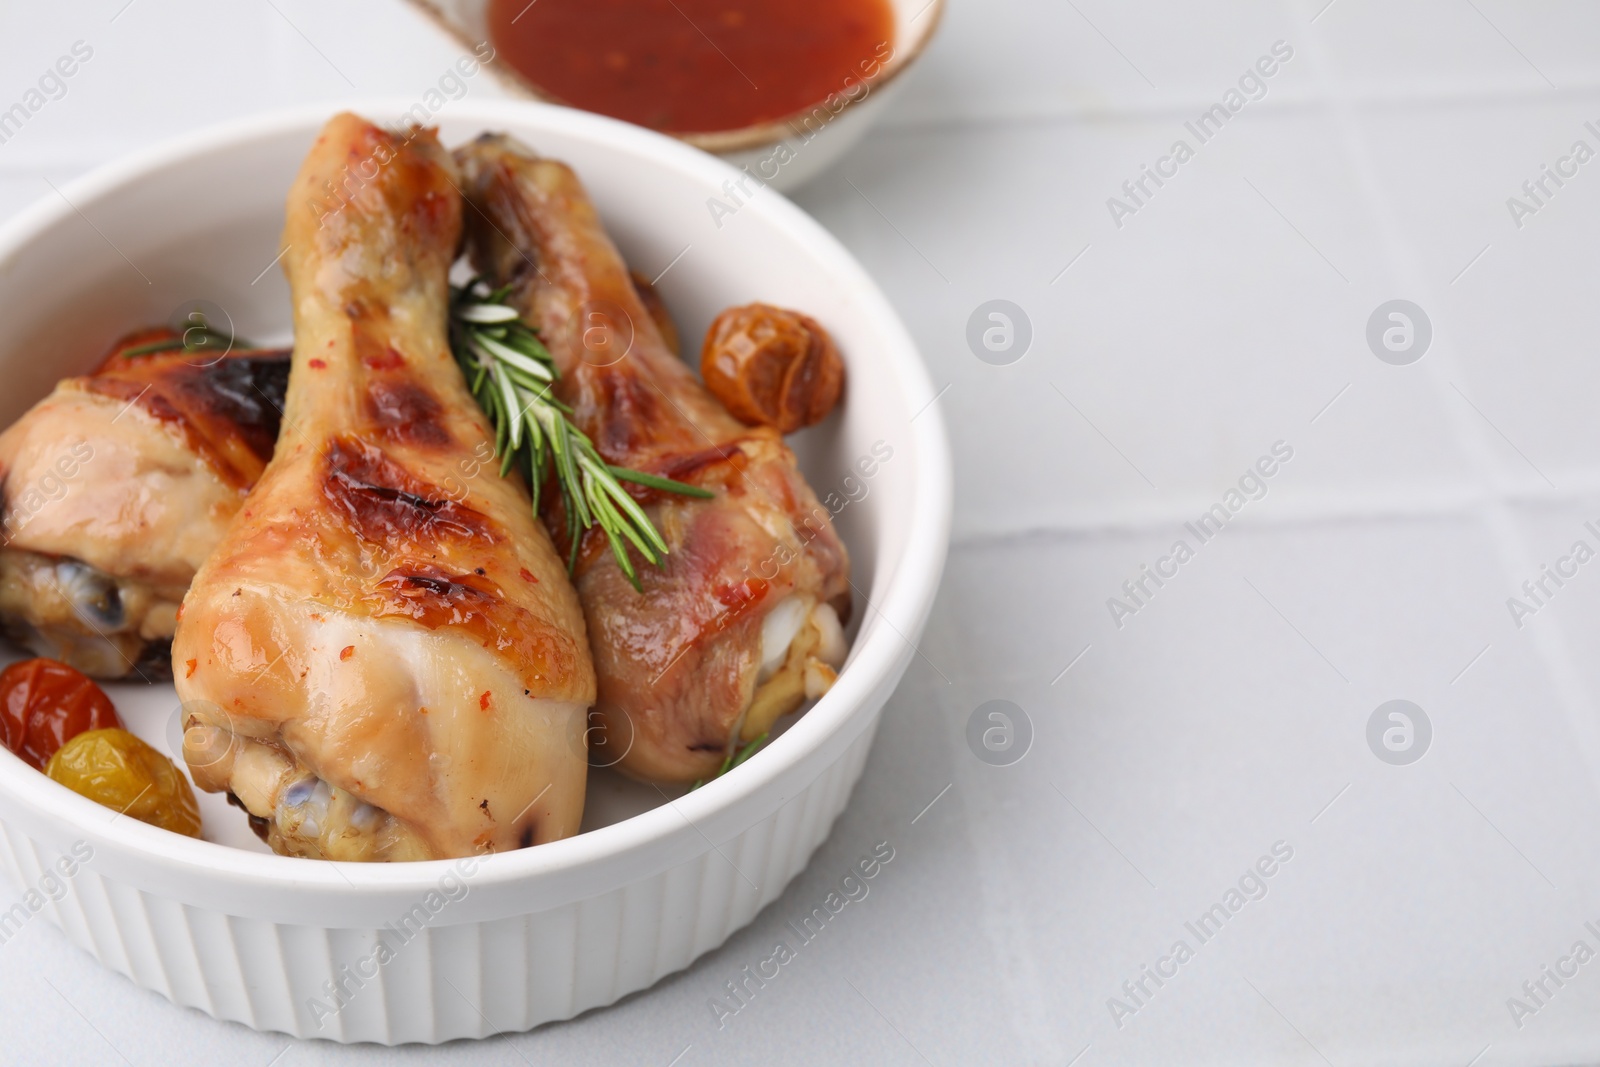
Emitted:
<point x="772" y="367"/>
<point x="118" y="770"/>
<point x="44" y="704"/>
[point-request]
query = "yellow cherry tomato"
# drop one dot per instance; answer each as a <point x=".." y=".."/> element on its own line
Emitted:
<point x="115" y="768"/>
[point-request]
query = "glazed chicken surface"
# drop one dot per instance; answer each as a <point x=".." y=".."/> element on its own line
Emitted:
<point x="742" y="621"/>
<point x="385" y="659"/>
<point x="118" y="485"/>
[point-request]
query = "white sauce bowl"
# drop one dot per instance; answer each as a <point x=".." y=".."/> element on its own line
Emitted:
<point x="783" y="153"/>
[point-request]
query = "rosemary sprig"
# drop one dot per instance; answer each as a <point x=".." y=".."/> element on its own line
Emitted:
<point x="511" y="374"/>
<point x="199" y="337"/>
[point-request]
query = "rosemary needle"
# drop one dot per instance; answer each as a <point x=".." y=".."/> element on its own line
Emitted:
<point x="511" y="373"/>
<point x="734" y="759"/>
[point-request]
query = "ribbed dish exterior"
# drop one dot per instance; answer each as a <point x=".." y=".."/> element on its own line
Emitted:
<point x="448" y="981"/>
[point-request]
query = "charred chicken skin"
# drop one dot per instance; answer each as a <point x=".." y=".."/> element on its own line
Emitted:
<point x="741" y="621"/>
<point x="117" y="486"/>
<point x="384" y="660"/>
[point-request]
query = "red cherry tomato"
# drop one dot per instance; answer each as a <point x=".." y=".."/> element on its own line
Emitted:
<point x="44" y="704"/>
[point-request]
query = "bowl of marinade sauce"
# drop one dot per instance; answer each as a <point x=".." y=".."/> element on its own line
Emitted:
<point x="779" y="88"/>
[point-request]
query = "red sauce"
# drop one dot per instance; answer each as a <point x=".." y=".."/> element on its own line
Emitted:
<point x="694" y="66"/>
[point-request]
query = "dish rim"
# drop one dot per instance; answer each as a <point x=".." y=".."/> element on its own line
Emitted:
<point x="908" y="594"/>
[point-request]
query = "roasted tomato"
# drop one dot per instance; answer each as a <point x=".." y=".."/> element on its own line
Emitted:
<point x="115" y="768"/>
<point x="45" y="704"/>
<point x="772" y="367"/>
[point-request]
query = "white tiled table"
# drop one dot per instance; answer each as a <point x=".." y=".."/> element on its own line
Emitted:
<point x="1230" y="712"/>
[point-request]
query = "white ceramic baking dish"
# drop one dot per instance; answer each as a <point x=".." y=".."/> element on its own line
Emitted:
<point x="435" y="951"/>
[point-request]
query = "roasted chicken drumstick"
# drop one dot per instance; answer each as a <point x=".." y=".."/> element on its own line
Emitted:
<point x="118" y="485"/>
<point x="741" y="622"/>
<point x="376" y="666"/>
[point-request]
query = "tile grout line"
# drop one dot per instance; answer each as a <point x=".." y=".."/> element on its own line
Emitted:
<point x="1492" y="510"/>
